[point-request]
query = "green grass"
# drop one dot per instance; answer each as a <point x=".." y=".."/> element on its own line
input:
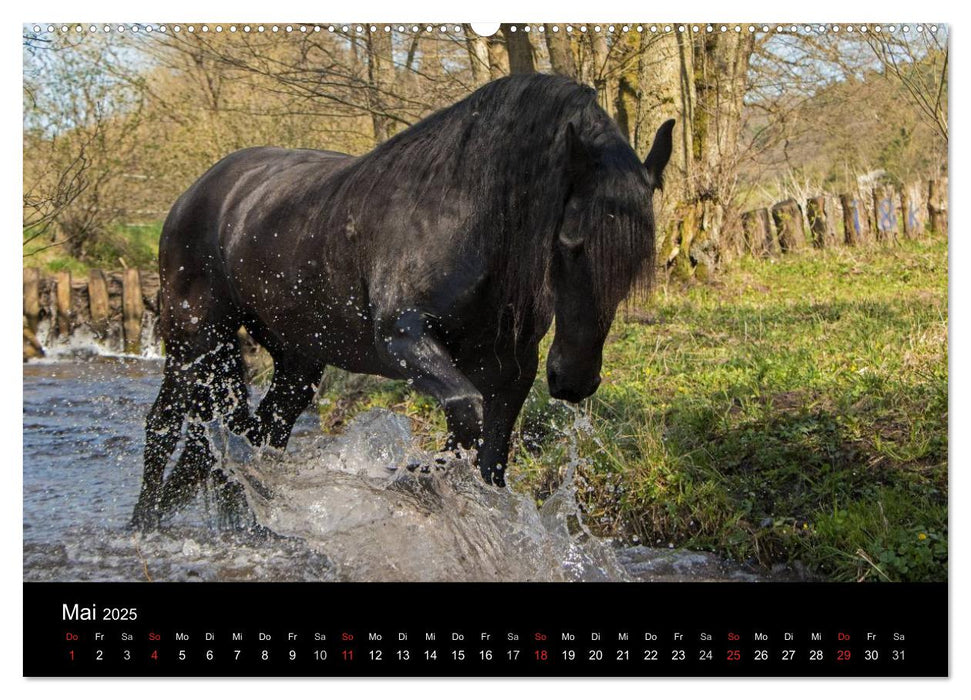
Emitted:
<point x="793" y="409"/>
<point x="136" y="244"/>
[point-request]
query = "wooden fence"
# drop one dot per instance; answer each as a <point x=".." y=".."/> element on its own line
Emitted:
<point x="696" y="240"/>
<point x="114" y="308"/>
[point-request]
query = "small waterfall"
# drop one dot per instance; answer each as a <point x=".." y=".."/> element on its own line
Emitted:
<point x="150" y="343"/>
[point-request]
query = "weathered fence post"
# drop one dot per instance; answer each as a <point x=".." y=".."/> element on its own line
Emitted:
<point x="821" y="224"/>
<point x="913" y="210"/>
<point x="885" y="214"/>
<point x="788" y="223"/>
<point x="759" y="235"/>
<point x="855" y="230"/>
<point x="32" y="298"/>
<point x="63" y="303"/>
<point x="937" y="204"/>
<point x="98" y="301"/>
<point x="133" y="307"/>
<point x="32" y="346"/>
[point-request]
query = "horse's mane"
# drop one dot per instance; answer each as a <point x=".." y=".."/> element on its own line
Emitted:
<point x="496" y="162"/>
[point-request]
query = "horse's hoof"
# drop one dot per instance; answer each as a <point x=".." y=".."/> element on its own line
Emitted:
<point x="145" y="521"/>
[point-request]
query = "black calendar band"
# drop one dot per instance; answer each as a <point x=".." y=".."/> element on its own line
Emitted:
<point x="484" y="629"/>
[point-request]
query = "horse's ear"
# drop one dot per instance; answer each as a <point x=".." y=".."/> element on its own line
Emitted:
<point x="660" y="154"/>
<point x="579" y="161"/>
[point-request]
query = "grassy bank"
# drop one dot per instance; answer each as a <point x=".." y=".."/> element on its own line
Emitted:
<point x="126" y="245"/>
<point x="793" y="410"/>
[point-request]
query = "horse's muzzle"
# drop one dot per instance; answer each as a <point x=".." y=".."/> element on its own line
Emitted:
<point x="562" y="388"/>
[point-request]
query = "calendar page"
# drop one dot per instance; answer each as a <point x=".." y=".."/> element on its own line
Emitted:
<point x="515" y="349"/>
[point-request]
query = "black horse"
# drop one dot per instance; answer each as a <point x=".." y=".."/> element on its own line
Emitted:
<point x="440" y="257"/>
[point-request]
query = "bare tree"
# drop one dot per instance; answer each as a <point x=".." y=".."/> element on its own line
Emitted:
<point x="80" y="140"/>
<point x="918" y="59"/>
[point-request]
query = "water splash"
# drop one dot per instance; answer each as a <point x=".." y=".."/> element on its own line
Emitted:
<point x="384" y="510"/>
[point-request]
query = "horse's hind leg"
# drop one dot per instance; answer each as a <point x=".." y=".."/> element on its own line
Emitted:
<point x="219" y="392"/>
<point x="195" y="463"/>
<point x="162" y="430"/>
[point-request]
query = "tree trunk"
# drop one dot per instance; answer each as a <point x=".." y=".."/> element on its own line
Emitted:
<point x="659" y="99"/>
<point x="498" y="57"/>
<point x="628" y="86"/>
<point x="519" y="48"/>
<point x="687" y="97"/>
<point x="720" y="77"/>
<point x="478" y="49"/>
<point x="599" y="53"/>
<point x="561" y="52"/>
<point x="380" y="83"/>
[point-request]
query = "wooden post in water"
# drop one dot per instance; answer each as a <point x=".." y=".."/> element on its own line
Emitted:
<point x="913" y="210"/>
<point x="32" y="346"/>
<point x="31" y="298"/>
<point x="788" y="223"/>
<point x="63" y="302"/>
<point x="937" y="204"/>
<point x="132" y="309"/>
<point x="822" y="228"/>
<point x="98" y="300"/>
<point x="885" y="214"/>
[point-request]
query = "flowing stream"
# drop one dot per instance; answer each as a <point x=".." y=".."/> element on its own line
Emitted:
<point x="367" y="505"/>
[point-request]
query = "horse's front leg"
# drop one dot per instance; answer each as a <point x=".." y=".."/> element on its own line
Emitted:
<point x="502" y="408"/>
<point x="415" y="353"/>
<point x="295" y="380"/>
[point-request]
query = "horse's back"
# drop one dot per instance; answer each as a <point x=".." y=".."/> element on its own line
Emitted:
<point x="201" y="224"/>
<point x="238" y="175"/>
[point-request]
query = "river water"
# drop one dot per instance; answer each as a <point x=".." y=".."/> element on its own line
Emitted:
<point x="366" y="505"/>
